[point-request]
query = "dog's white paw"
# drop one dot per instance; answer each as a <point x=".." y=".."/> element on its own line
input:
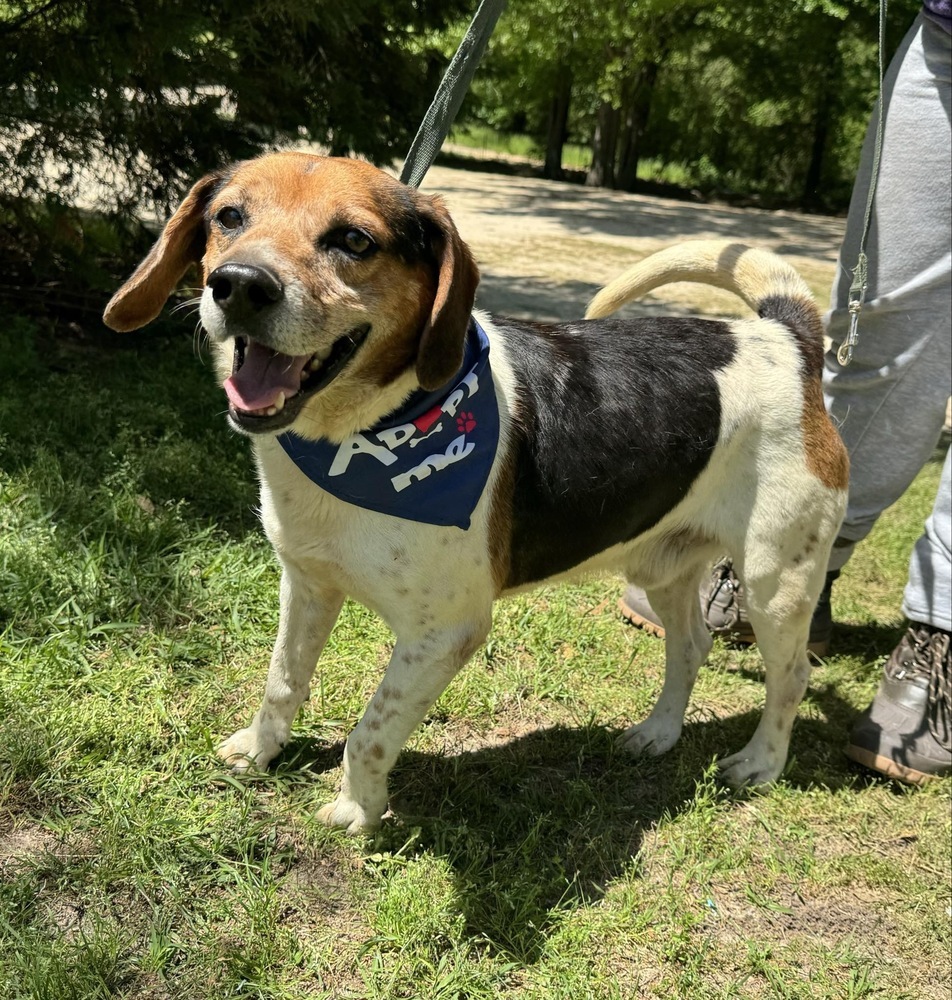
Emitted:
<point x="653" y="737"/>
<point x="746" y="769"/>
<point x="249" y="748"/>
<point x="347" y="815"/>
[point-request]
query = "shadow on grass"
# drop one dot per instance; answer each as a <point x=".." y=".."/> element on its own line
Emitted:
<point x="870" y="640"/>
<point x="531" y="828"/>
<point x="117" y="468"/>
<point x="539" y="826"/>
<point x="140" y="412"/>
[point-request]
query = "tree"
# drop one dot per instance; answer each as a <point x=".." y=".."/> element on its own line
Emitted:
<point x="528" y="74"/>
<point x="732" y="96"/>
<point x="146" y="94"/>
<point x="779" y="96"/>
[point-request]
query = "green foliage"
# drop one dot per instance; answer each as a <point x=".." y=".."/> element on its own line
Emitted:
<point x="61" y="263"/>
<point x="769" y="100"/>
<point x="135" y="98"/>
<point x="119" y="105"/>
<point x="127" y="101"/>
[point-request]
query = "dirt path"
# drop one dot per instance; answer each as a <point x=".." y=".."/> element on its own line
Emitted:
<point x="545" y="247"/>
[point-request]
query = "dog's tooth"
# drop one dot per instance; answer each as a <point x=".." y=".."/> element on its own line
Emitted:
<point x="314" y="363"/>
<point x="279" y="404"/>
<point x="270" y="411"/>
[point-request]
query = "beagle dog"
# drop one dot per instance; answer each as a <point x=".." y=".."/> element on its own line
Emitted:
<point x="395" y="432"/>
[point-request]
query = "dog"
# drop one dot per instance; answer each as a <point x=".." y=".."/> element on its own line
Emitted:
<point x="425" y="460"/>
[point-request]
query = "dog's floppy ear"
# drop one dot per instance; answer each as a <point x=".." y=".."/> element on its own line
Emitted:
<point x="441" y="346"/>
<point x="182" y="243"/>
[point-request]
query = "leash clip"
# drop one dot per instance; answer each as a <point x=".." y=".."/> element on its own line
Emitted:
<point x="844" y="354"/>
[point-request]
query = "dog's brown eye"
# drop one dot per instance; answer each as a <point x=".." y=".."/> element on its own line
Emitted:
<point x="357" y="242"/>
<point x="229" y="218"/>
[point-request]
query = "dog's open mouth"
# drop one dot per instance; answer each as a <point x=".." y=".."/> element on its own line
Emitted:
<point x="267" y="389"/>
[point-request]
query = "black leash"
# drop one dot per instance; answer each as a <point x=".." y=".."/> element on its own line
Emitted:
<point x="450" y="93"/>
<point x="857" y="294"/>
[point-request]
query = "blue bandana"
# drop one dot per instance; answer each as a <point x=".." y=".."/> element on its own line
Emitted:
<point x="427" y="461"/>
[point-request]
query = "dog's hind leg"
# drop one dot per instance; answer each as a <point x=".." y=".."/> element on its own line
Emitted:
<point x="687" y="644"/>
<point x="780" y="606"/>
<point x="307" y="616"/>
<point x="420" y="668"/>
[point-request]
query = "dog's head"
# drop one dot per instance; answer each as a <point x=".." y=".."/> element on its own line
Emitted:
<point x="331" y="290"/>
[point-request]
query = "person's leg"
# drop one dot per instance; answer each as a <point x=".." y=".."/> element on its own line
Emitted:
<point x="906" y="732"/>
<point x="890" y="402"/>
<point x="928" y="595"/>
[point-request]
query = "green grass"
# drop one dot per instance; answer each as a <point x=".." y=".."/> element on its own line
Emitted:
<point x="482" y="137"/>
<point x="579" y="157"/>
<point x="527" y="857"/>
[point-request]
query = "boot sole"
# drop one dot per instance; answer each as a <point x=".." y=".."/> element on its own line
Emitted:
<point x="888" y="767"/>
<point x="819" y="647"/>
<point x="633" y="618"/>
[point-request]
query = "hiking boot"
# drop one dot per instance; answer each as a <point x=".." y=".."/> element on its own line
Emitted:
<point x="906" y="733"/>
<point x="722" y="604"/>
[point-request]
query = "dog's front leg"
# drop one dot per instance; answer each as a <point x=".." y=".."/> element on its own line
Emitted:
<point x="308" y="613"/>
<point x="418" y="672"/>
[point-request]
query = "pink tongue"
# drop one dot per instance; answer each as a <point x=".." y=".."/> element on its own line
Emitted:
<point x="265" y="373"/>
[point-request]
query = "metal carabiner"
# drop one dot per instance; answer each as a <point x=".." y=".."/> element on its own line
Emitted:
<point x="857" y="297"/>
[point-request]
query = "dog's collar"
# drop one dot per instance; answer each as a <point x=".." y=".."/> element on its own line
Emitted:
<point x="427" y="461"/>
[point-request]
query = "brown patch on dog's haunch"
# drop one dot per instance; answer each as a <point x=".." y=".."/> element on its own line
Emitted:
<point x="826" y="456"/>
<point x="181" y="244"/>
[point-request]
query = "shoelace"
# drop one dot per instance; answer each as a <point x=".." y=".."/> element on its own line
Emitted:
<point x="725" y="582"/>
<point x="940" y="688"/>
<point x="929" y="657"/>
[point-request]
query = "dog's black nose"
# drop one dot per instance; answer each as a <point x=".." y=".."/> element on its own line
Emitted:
<point x="244" y="289"/>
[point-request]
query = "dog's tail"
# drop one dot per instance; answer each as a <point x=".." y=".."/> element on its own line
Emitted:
<point x="770" y="286"/>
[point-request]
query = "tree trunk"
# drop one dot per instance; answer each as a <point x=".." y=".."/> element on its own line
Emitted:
<point x="636" y="121"/>
<point x="557" y="131"/>
<point x="812" y="198"/>
<point x="604" y="142"/>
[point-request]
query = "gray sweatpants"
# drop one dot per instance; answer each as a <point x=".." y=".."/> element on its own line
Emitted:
<point x="889" y="403"/>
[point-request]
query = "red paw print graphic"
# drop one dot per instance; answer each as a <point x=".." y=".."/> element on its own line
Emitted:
<point x="465" y="422"/>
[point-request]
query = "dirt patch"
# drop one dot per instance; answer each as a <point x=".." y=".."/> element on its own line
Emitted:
<point x="316" y="897"/>
<point x="511" y="723"/>
<point x="22" y="842"/>
<point x="318" y="891"/>
<point x="794" y="913"/>
<point x="546" y="247"/>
